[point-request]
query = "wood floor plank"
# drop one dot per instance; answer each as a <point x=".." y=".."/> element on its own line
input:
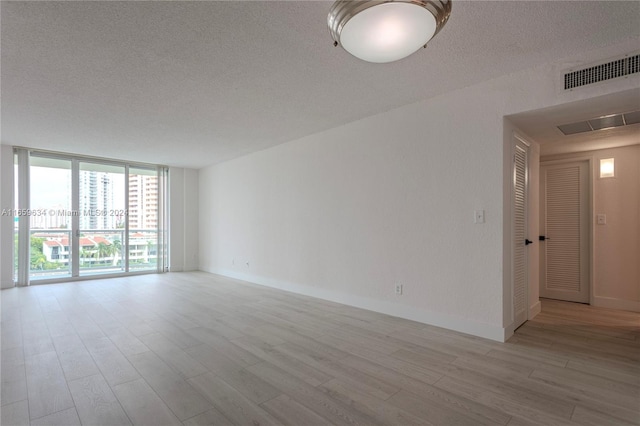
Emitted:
<point x="173" y="355"/>
<point x="498" y="367"/>
<point x="95" y="402"/>
<point x="74" y="357"/>
<point x="46" y="385"/>
<point x="15" y="414"/>
<point x="12" y="365"/>
<point x="85" y="326"/>
<point x="126" y="342"/>
<point x="427" y="373"/>
<point x="310" y="397"/>
<point x="180" y="397"/>
<point x="515" y="389"/>
<point x="11" y="338"/>
<point x="441" y="412"/>
<point x="621" y="374"/>
<point x="36" y="338"/>
<point x="231" y="403"/>
<point x="351" y="347"/>
<point x="379" y="409"/>
<point x="142" y="405"/>
<point x="510" y="406"/>
<point x="310" y="344"/>
<point x="67" y="417"/>
<point x="588" y="417"/>
<point x="527" y="356"/>
<point x="58" y="324"/>
<point x="290" y="413"/>
<point x="387" y="375"/>
<point x="224" y="346"/>
<point x="247" y="326"/>
<point x="175" y="334"/>
<point x="249" y="385"/>
<point x="589" y="385"/>
<point x="13" y="391"/>
<point x="211" y="417"/>
<point x="281" y="359"/>
<point x="113" y="365"/>
<point x="332" y="369"/>
<point x="212" y="359"/>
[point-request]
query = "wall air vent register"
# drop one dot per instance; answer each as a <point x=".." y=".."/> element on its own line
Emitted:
<point x="607" y="71"/>
<point x="601" y="123"/>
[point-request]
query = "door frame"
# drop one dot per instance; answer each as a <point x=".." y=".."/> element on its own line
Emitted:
<point x="517" y="139"/>
<point x="590" y="203"/>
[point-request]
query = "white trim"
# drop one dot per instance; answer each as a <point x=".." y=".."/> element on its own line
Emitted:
<point x="518" y="141"/>
<point x="7" y="224"/>
<point x="566" y="160"/>
<point x="522" y="138"/>
<point x="437" y="319"/>
<point x="75" y="219"/>
<point x="24" y="232"/>
<point x="508" y="332"/>
<point x="85" y="158"/>
<point x="613" y="303"/>
<point x="535" y="309"/>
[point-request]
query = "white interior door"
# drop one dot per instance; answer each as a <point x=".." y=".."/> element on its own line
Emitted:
<point x="520" y="242"/>
<point x="564" y="222"/>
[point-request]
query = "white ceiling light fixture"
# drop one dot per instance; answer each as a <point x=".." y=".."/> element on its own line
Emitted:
<point x="383" y="31"/>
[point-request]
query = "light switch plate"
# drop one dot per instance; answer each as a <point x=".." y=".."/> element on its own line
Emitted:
<point x="601" y="219"/>
<point x="478" y="216"/>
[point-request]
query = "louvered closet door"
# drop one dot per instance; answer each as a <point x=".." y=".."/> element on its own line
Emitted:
<point x="520" y="255"/>
<point x="564" y="221"/>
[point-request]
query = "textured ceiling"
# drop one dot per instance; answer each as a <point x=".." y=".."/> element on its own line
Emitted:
<point x="195" y="83"/>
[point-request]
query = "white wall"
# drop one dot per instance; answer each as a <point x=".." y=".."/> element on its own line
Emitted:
<point x="183" y="219"/>
<point x="347" y="213"/>
<point x="616" y="245"/>
<point x="6" y="222"/>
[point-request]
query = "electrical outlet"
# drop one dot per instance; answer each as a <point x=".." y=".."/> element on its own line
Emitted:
<point x="398" y="289"/>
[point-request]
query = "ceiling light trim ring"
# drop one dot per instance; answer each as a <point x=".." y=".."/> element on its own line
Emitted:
<point x="343" y="10"/>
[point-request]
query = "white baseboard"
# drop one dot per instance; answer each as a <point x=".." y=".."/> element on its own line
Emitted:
<point x="437" y="319"/>
<point x="613" y="303"/>
<point x="535" y="309"/>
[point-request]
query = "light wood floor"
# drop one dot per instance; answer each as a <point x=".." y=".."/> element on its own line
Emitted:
<point x="199" y="349"/>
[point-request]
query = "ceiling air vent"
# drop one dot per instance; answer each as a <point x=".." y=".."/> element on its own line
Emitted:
<point x="594" y="74"/>
<point x="601" y="123"/>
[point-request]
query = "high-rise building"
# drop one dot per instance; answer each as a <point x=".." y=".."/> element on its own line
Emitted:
<point x="143" y="202"/>
<point x="96" y="199"/>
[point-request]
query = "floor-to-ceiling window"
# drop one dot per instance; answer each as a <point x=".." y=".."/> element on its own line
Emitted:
<point x="102" y="219"/>
<point x="143" y="219"/>
<point x="81" y="217"/>
<point x="49" y="224"/>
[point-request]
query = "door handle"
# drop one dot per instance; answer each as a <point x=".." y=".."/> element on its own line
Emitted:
<point x="527" y="242"/>
<point x="543" y="238"/>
